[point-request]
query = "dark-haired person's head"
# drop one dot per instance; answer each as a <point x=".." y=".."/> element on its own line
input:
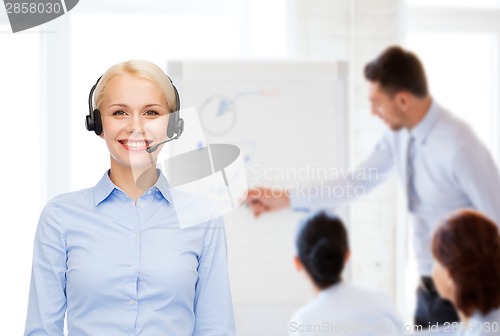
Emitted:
<point x="322" y="249"/>
<point x="398" y="85"/>
<point x="466" y="249"/>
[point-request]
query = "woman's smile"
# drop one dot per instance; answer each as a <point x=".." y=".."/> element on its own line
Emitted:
<point x="135" y="145"/>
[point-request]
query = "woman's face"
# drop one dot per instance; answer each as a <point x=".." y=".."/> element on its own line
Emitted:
<point x="134" y="116"/>
<point x="443" y="281"/>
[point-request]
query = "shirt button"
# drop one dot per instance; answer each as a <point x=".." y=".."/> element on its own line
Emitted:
<point x="149" y="192"/>
<point x="133" y="268"/>
<point x="134" y="235"/>
<point x="131" y="302"/>
<point x="141" y="205"/>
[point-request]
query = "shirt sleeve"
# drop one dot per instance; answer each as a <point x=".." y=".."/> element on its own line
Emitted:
<point x="47" y="297"/>
<point x="351" y="185"/>
<point x="478" y="177"/>
<point x="213" y="305"/>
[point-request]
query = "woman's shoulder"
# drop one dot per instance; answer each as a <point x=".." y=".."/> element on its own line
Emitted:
<point x="78" y="197"/>
<point x="488" y="323"/>
<point x="62" y="207"/>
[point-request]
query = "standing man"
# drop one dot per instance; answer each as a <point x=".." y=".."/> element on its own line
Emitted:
<point x="442" y="165"/>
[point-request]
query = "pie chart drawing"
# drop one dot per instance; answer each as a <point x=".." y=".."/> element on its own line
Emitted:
<point x="218" y="114"/>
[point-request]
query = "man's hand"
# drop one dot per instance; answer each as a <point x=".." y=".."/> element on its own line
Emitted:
<point x="261" y="200"/>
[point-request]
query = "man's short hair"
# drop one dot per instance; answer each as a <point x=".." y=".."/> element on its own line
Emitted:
<point x="398" y="70"/>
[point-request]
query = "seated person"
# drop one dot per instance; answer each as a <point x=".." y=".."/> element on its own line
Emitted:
<point x="339" y="307"/>
<point x="466" y="249"/>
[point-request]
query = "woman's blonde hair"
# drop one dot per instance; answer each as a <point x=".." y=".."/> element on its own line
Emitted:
<point x="140" y="69"/>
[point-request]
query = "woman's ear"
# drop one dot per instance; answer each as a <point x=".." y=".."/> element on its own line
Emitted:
<point x="449" y="281"/>
<point x="347" y="257"/>
<point x="451" y="287"/>
<point x="298" y="264"/>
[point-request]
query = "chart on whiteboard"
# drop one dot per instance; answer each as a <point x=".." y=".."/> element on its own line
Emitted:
<point x="280" y="114"/>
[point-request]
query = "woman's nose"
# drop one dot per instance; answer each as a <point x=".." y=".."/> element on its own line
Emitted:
<point x="135" y="125"/>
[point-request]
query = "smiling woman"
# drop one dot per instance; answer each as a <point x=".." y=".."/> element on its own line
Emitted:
<point x="114" y="257"/>
<point x="134" y="106"/>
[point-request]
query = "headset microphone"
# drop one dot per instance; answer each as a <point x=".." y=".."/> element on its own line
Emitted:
<point x="155" y="147"/>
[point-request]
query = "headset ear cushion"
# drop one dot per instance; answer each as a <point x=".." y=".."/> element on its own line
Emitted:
<point x="97" y="122"/>
<point x="172" y="124"/>
<point x="89" y="123"/>
<point x="180" y="126"/>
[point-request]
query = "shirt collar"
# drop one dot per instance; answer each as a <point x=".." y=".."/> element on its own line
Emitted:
<point x="423" y="128"/>
<point x="105" y="187"/>
<point x="334" y="288"/>
<point x="163" y="186"/>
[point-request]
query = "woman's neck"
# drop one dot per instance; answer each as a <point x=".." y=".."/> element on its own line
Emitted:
<point x="133" y="181"/>
<point x="463" y="318"/>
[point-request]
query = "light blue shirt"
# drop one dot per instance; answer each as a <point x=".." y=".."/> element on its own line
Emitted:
<point x="452" y="170"/>
<point x="346" y="309"/>
<point x="117" y="268"/>
<point x="480" y="324"/>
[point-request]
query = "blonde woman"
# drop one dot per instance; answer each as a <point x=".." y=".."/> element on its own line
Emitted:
<point x="114" y="258"/>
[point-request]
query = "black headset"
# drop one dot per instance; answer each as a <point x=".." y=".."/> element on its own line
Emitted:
<point x="175" y="122"/>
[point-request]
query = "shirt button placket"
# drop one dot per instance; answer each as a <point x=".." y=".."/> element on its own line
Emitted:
<point x="134" y="262"/>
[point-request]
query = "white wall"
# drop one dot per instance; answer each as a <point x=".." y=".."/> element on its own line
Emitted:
<point x="21" y="171"/>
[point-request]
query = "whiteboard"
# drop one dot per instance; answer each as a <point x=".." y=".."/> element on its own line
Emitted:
<point x="289" y="119"/>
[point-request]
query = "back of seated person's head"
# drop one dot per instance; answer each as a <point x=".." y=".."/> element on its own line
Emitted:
<point x="322" y="248"/>
<point x="467" y="245"/>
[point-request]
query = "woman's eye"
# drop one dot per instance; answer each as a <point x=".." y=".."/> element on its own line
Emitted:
<point x="119" y="113"/>
<point x="151" y="113"/>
